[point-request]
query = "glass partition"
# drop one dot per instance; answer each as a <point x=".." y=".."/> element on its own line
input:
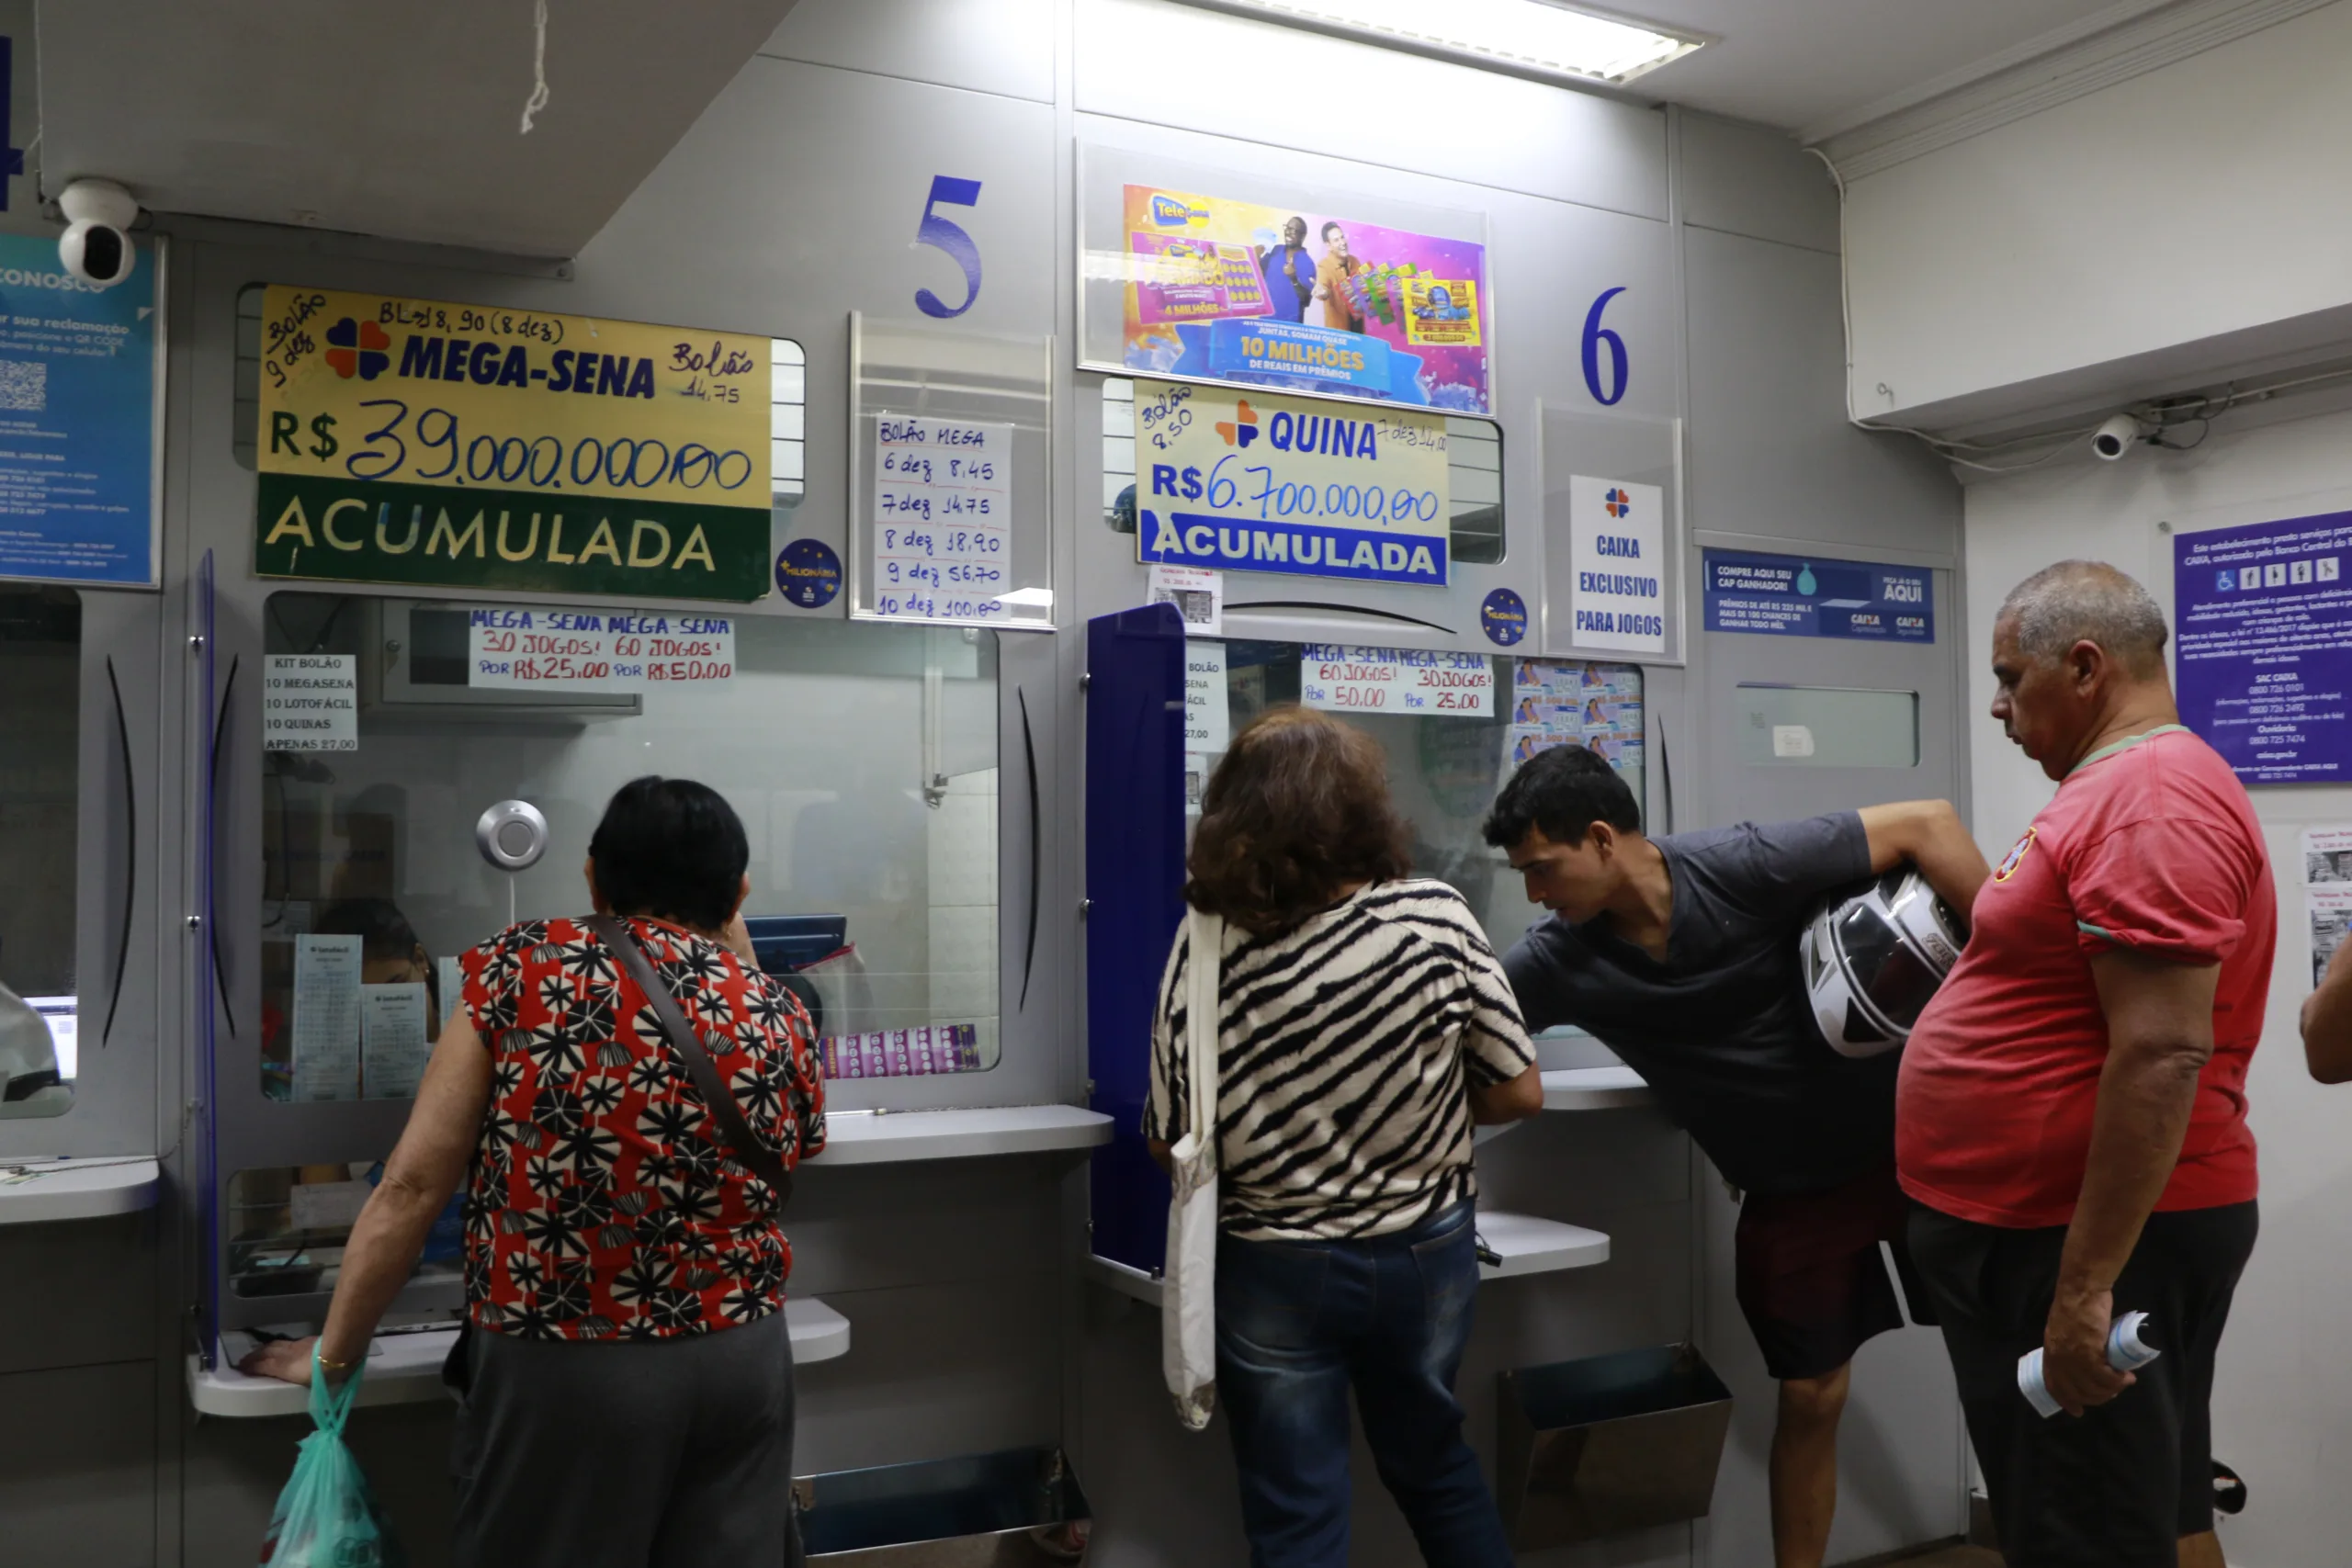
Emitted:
<point x="287" y="1226"/>
<point x="40" y="683"/>
<point x="1446" y="767"/>
<point x="861" y="758"/>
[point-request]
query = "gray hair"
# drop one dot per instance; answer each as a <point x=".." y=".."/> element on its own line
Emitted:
<point x="2087" y="601"/>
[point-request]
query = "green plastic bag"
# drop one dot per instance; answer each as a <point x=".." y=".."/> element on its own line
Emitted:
<point x="327" y="1517"/>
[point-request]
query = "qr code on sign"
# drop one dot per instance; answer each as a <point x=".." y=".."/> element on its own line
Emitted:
<point x="24" y="385"/>
<point x="1195" y="604"/>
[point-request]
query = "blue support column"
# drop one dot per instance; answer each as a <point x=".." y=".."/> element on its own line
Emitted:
<point x="1134" y="880"/>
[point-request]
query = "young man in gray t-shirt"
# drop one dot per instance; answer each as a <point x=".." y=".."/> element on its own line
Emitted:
<point x="1680" y="954"/>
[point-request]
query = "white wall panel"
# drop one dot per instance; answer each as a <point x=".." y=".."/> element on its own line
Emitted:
<point x="988" y="46"/>
<point x="2184" y="210"/>
<point x="1741" y="179"/>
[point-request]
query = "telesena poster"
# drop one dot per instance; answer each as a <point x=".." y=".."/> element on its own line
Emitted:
<point x="1309" y="301"/>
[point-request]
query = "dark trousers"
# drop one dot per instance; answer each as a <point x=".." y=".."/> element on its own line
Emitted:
<point x="1300" y="1324"/>
<point x="659" y="1453"/>
<point x="2118" y="1486"/>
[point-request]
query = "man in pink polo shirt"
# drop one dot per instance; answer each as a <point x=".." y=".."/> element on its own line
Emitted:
<point x="2071" y="1111"/>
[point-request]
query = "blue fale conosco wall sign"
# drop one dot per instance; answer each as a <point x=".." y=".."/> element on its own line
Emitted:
<point x="77" y="420"/>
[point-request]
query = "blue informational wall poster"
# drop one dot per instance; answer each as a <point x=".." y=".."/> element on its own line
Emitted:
<point x="2262" y="629"/>
<point x="78" y="500"/>
<point x="1808" y="596"/>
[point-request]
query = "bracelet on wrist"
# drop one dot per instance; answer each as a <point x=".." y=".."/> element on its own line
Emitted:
<point x="328" y="1365"/>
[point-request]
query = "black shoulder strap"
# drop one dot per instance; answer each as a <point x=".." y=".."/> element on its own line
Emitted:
<point x="764" y="1161"/>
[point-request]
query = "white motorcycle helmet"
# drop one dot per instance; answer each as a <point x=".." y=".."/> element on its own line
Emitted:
<point x="1870" y="962"/>
<point x="27" y="1050"/>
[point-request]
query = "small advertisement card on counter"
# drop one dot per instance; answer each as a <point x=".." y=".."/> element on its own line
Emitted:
<point x="1198" y="595"/>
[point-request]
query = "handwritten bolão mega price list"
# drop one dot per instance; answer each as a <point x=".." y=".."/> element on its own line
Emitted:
<point x="942" y="519"/>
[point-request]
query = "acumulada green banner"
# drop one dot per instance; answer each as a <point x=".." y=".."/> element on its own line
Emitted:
<point x="359" y="531"/>
<point x="416" y="441"/>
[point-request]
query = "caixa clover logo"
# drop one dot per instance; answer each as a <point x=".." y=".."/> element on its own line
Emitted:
<point x="1242" y="428"/>
<point x="1617" y="503"/>
<point x="358" y="348"/>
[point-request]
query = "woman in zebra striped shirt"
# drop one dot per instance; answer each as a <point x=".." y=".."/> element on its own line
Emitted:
<point x="1364" y="1025"/>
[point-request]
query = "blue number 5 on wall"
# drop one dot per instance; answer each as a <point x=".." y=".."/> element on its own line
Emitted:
<point x="945" y="234"/>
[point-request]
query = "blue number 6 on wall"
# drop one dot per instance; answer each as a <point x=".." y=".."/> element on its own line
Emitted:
<point x="944" y="235"/>
<point x="1596" y="338"/>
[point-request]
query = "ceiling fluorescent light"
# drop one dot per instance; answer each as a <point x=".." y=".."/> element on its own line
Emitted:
<point x="1532" y="38"/>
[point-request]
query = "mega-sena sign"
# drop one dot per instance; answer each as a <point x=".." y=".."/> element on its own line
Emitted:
<point x="421" y="441"/>
<point x="1269" y="483"/>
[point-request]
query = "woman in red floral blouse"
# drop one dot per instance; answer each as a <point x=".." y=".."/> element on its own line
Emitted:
<point x="627" y="1270"/>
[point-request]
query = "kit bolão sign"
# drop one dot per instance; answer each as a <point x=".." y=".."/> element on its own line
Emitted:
<point x="1263" y="483"/>
<point x="420" y="442"/>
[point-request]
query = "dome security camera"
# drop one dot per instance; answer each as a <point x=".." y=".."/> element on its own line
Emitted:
<point x="95" y="247"/>
<point x="2118" y="435"/>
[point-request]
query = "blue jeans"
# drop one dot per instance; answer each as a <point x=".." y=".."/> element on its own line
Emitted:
<point x="1300" y="1322"/>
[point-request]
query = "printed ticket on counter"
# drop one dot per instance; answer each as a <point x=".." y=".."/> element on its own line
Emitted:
<point x="597" y="650"/>
<point x="1395" y="680"/>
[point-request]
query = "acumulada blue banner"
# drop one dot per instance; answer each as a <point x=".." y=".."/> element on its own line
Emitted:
<point x="1269" y="483"/>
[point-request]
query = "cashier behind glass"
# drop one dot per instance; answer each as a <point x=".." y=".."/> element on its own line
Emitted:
<point x="1681" y="952"/>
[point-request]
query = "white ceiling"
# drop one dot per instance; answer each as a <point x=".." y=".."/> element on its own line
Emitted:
<point x="1817" y="67"/>
<point x="395" y="120"/>
<point x="404" y="120"/>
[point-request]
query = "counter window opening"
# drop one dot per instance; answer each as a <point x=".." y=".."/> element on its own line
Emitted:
<point x="1473" y="473"/>
<point x="41" y="731"/>
<point x="862" y="759"/>
<point x="787" y="399"/>
<point x="1444" y="769"/>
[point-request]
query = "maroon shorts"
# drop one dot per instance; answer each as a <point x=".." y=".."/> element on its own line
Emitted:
<point x="1811" y="1276"/>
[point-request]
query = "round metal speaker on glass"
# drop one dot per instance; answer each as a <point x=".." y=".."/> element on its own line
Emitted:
<point x="512" y="835"/>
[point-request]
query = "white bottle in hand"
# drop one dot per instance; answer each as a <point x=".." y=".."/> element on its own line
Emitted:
<point x="2125" y="1353"/>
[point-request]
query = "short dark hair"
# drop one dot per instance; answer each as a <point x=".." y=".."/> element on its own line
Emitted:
<point x="1298" y="808"/>
<point x="1333" y="224"/>
<point x="671" y="847"/>
<point x="383" y="931"/>
<point x="1562" y="791"/>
